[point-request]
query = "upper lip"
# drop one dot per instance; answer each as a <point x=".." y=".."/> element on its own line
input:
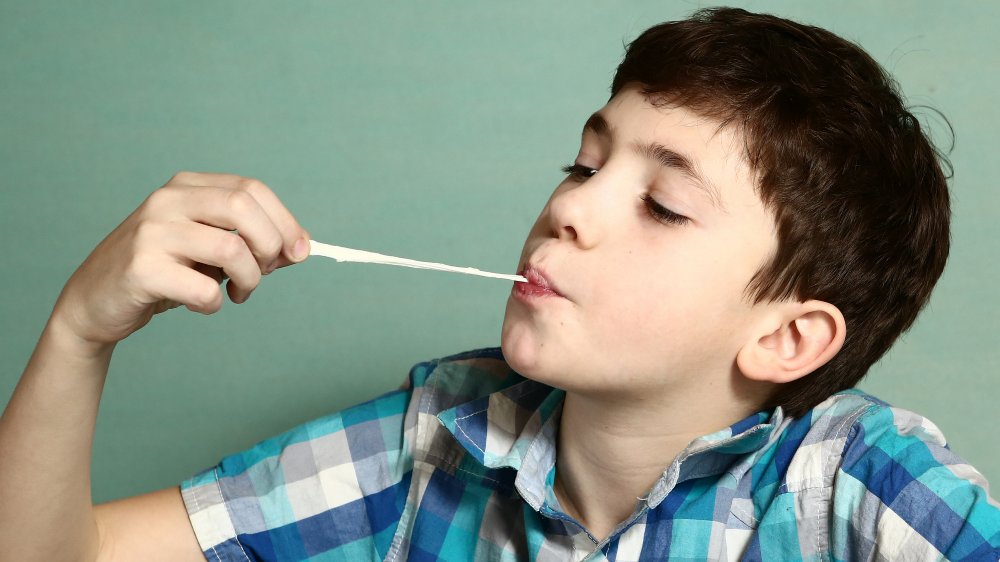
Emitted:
<point x="537" y="277"/>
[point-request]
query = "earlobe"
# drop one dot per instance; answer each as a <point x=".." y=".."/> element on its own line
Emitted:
<point x="807" y="336"/>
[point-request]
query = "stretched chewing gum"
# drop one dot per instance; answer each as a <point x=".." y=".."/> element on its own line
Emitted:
<point x="342" y="254"/>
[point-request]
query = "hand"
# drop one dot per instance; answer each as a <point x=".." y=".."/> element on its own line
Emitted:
<point x="177" y="248"/>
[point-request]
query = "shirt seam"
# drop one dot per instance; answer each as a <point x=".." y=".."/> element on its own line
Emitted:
<point x="197" y="508"/>
<point x="450" y="465"/>
<point x="830" y="470"/>
<point x="469" y="437"/>
<point x="749" y="519"/>
<point x="405" y="524"/>
<point x="458" y="420"/>
<point x="872" y="409"/>
<point x="225" y="503"/>
<point x="851" y="434"/>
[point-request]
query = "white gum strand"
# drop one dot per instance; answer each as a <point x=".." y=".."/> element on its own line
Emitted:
<point x="342" y="254"/>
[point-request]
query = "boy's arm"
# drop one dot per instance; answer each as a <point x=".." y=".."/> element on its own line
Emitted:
<point x="153" y="526"/>
<point x="173" y="250"/>
<point x="46" y="434"/>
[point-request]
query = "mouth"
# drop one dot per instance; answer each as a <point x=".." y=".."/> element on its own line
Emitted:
<point x="538" y="285"/>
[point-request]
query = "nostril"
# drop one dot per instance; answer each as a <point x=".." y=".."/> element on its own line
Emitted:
<point x="570" y="232"/>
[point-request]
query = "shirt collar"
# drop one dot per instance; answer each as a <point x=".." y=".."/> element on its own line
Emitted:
<point x="718" y="452"/>
<point x="499" y="428"/>
<point x="516" y="428"/>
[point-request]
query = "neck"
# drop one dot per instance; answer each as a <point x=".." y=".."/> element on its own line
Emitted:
<point x="612" y="450"/>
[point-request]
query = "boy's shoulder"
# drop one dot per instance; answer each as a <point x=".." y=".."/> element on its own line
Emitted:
<point x="857" y="433"/>
<point x="887" y="476"/>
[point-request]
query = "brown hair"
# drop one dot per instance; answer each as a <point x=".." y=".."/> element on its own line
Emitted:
<point x="859" y="198"/>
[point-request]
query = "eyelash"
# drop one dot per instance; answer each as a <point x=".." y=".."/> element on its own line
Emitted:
<point x="656" y="211"/>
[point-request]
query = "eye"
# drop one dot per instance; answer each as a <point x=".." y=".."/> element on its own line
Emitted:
<point x="661" y="213"/>
<point x="578" y="172"/>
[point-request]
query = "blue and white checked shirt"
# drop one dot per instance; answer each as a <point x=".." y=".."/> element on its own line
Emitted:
<point x="459" y="465"/>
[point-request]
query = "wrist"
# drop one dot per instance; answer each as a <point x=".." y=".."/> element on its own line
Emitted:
<point x="59" y="335"/>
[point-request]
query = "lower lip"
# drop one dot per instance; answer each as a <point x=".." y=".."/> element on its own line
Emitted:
<point x="529" y="291"/>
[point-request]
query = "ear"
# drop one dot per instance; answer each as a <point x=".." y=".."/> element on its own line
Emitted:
<point x="800" y="338"/>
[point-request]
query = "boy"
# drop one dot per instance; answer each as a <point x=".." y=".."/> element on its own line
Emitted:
<point x="751" y="221"/>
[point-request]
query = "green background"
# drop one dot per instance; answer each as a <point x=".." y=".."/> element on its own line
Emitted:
<point x="427" y="130"/>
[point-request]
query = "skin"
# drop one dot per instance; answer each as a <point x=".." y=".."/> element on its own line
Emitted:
<point x="654" y="340"/>
<point x="175" y="249"/>
<point x="652" y="328"/>
<point x="647" y="304"/>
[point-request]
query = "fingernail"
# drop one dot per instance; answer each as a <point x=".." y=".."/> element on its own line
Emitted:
<point x="301" y="249"/>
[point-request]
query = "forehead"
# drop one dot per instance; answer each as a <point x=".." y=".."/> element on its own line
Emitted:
<point x="698" y="146"/>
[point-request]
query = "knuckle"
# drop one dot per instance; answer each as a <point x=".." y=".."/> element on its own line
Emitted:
<point x="239" y="201"/>
<point x="182" y="177"/>
<point x="157" y="199"/>
<point x="273" y="247"/>
<point x="228" y="248"/>
<point x="249" y="282"/>
<point x="250" y="184"/>
<point x="139" y="268"/>
<point x="205" y="295"/>
<point x="147" y="233"/>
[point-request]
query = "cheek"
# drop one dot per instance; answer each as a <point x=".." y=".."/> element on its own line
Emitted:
<point x="652" y="301"/>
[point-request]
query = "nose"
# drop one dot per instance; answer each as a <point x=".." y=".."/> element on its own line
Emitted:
<point x="580" y="213"/>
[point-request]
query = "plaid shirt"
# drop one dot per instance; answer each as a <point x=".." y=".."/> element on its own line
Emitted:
<point x="459" y="465"/>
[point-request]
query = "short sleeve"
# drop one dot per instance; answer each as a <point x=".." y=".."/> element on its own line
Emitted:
<point x="902" y="494"/>
<point x="335" y="487"/>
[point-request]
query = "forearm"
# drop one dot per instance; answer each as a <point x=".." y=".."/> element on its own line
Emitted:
<point x="46" y="435"/>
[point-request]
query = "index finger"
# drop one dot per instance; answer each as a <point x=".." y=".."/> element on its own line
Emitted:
<point x="289" y="228"/>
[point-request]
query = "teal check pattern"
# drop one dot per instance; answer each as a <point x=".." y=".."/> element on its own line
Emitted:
<point x="459" y="464"/>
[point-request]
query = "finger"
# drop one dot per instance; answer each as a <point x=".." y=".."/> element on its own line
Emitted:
<point x="195" y="243"/>
<point x="295" y="238"/>
<point x="211" y="271"/>
<point x="220" y="277"/>
<point x="207" y="179"/>
<point x="186" y="286"/>
<point x="290" y="229"/>
<point x="233" y="209"/>
<point x="238" y="294"/>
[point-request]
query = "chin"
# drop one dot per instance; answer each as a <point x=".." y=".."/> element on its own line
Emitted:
<point x="521" y="349"/>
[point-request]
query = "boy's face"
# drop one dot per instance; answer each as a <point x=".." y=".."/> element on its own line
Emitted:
<point x="644" y="299"/>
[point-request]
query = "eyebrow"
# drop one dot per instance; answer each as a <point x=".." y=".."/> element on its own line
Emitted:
<point x="666" y="157"/>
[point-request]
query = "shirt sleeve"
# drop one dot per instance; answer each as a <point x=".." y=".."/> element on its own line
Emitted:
<point x="902" y="494"/>
<point x="335" y="487"/>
